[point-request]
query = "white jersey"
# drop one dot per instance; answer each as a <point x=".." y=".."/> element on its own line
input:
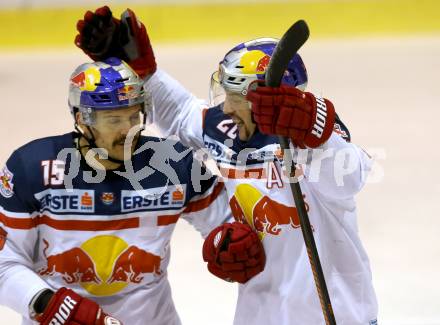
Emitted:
<point x="259" y="194"/>
<point x="103" y="239"/>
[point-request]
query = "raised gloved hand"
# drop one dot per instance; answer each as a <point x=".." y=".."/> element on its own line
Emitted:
<point x="68" y="308"/>
<point x="102" y="36"/>
<point x="290" y="112"/>
<point x="234" y="252"/>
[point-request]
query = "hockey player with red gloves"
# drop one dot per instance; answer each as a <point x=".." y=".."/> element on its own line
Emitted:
<point x="86" y="218"/>
<point x="67" y="307"/>
<point x="241" y="131"/>
<point x="103" y="36"/>
<point x="290" y="112"/>
<point x="233" y="252"/>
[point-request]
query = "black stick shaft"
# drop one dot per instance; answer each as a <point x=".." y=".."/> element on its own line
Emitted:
<point x="286" y="48"/>
<point x="309" y="241"/>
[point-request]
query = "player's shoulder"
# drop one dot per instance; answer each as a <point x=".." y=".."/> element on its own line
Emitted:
<point x="158" y="143"/>
<point x="168" y="153"/>
<point x="23" y="171"/>
<point x="46" y="148"/>
<point x="214" y="115"/>
<point x="217" y="125"/>
<point x="168" y="150"/>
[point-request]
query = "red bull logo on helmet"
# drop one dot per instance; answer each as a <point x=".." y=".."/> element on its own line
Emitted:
<point x="265" y="215"/>
<point x="103" y="265"/>
<point x="127" y="92"/>
<point x="6" y="185"/>
<point x="254" y="62"/>
<point x="263" y="63"/>
<point x="88" y="79"/>
<point x="125" y="89"/>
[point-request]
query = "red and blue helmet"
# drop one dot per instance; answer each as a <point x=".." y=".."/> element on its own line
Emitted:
<point x="106" y="85"/>
<point x="247" y="62"/>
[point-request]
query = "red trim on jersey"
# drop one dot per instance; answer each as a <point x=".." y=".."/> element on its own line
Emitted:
<point x="201" y="204"/>
<point x="232" y="173"/>
<point x="17" y="223"/>
<point x="167" y="220"/>
<point x="84" y="225"/>
<point x="88" y="225"/>
<point x="99" y="225"/>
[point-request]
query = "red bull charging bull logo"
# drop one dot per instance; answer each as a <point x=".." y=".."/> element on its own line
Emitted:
<point x="87" y="79"/>
<point x="74" y="264"/>
<point x="132" y="263"/>
<point x="265" y="215"/>
<point x="127" y="92"/>
<point x="6" y="185"/>
<point x="254" y="62"/>
<point x="103" y="265"/>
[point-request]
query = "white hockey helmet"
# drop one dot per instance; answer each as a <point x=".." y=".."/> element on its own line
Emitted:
<point x="247" y="62"/>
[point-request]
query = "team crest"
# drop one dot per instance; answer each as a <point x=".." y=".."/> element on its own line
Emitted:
<point x="107" y="198"/>
<point x="6" y="185"/>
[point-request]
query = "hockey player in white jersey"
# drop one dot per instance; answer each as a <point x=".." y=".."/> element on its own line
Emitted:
<point x="86" y="218"/>
<point x="241" y="132"/>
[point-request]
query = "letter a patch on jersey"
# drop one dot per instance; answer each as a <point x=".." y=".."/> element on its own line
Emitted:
<point x="6" y="185"/>
<point x="3" y="235"/>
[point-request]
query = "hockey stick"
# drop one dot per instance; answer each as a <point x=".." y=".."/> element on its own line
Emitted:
<point x="286" y="48"/>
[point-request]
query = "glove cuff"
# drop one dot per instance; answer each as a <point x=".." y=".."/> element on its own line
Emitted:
<point x="67" y="297"/>
<point x="39" y="303"/>
<point x="322" y="122"/>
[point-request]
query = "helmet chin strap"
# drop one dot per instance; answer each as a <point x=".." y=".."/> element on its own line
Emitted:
<point x="92" y="140"/>
<point x="92" y="144"/>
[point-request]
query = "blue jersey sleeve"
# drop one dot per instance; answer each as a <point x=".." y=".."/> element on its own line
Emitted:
<point x="18" y="236"/>
<point x="207" y="202"/>
<point x="15" y="188"/>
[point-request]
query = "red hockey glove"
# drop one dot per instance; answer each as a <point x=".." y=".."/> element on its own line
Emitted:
<point x="68" y="308"/>
<point x="234" y="252"/>
<point x="102" y="36"/>
<point x="290" y="112"/>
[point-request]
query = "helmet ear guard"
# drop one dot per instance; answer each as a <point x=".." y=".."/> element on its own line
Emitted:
<point x="87" y="116"/>
<point x="246" y="63"/>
